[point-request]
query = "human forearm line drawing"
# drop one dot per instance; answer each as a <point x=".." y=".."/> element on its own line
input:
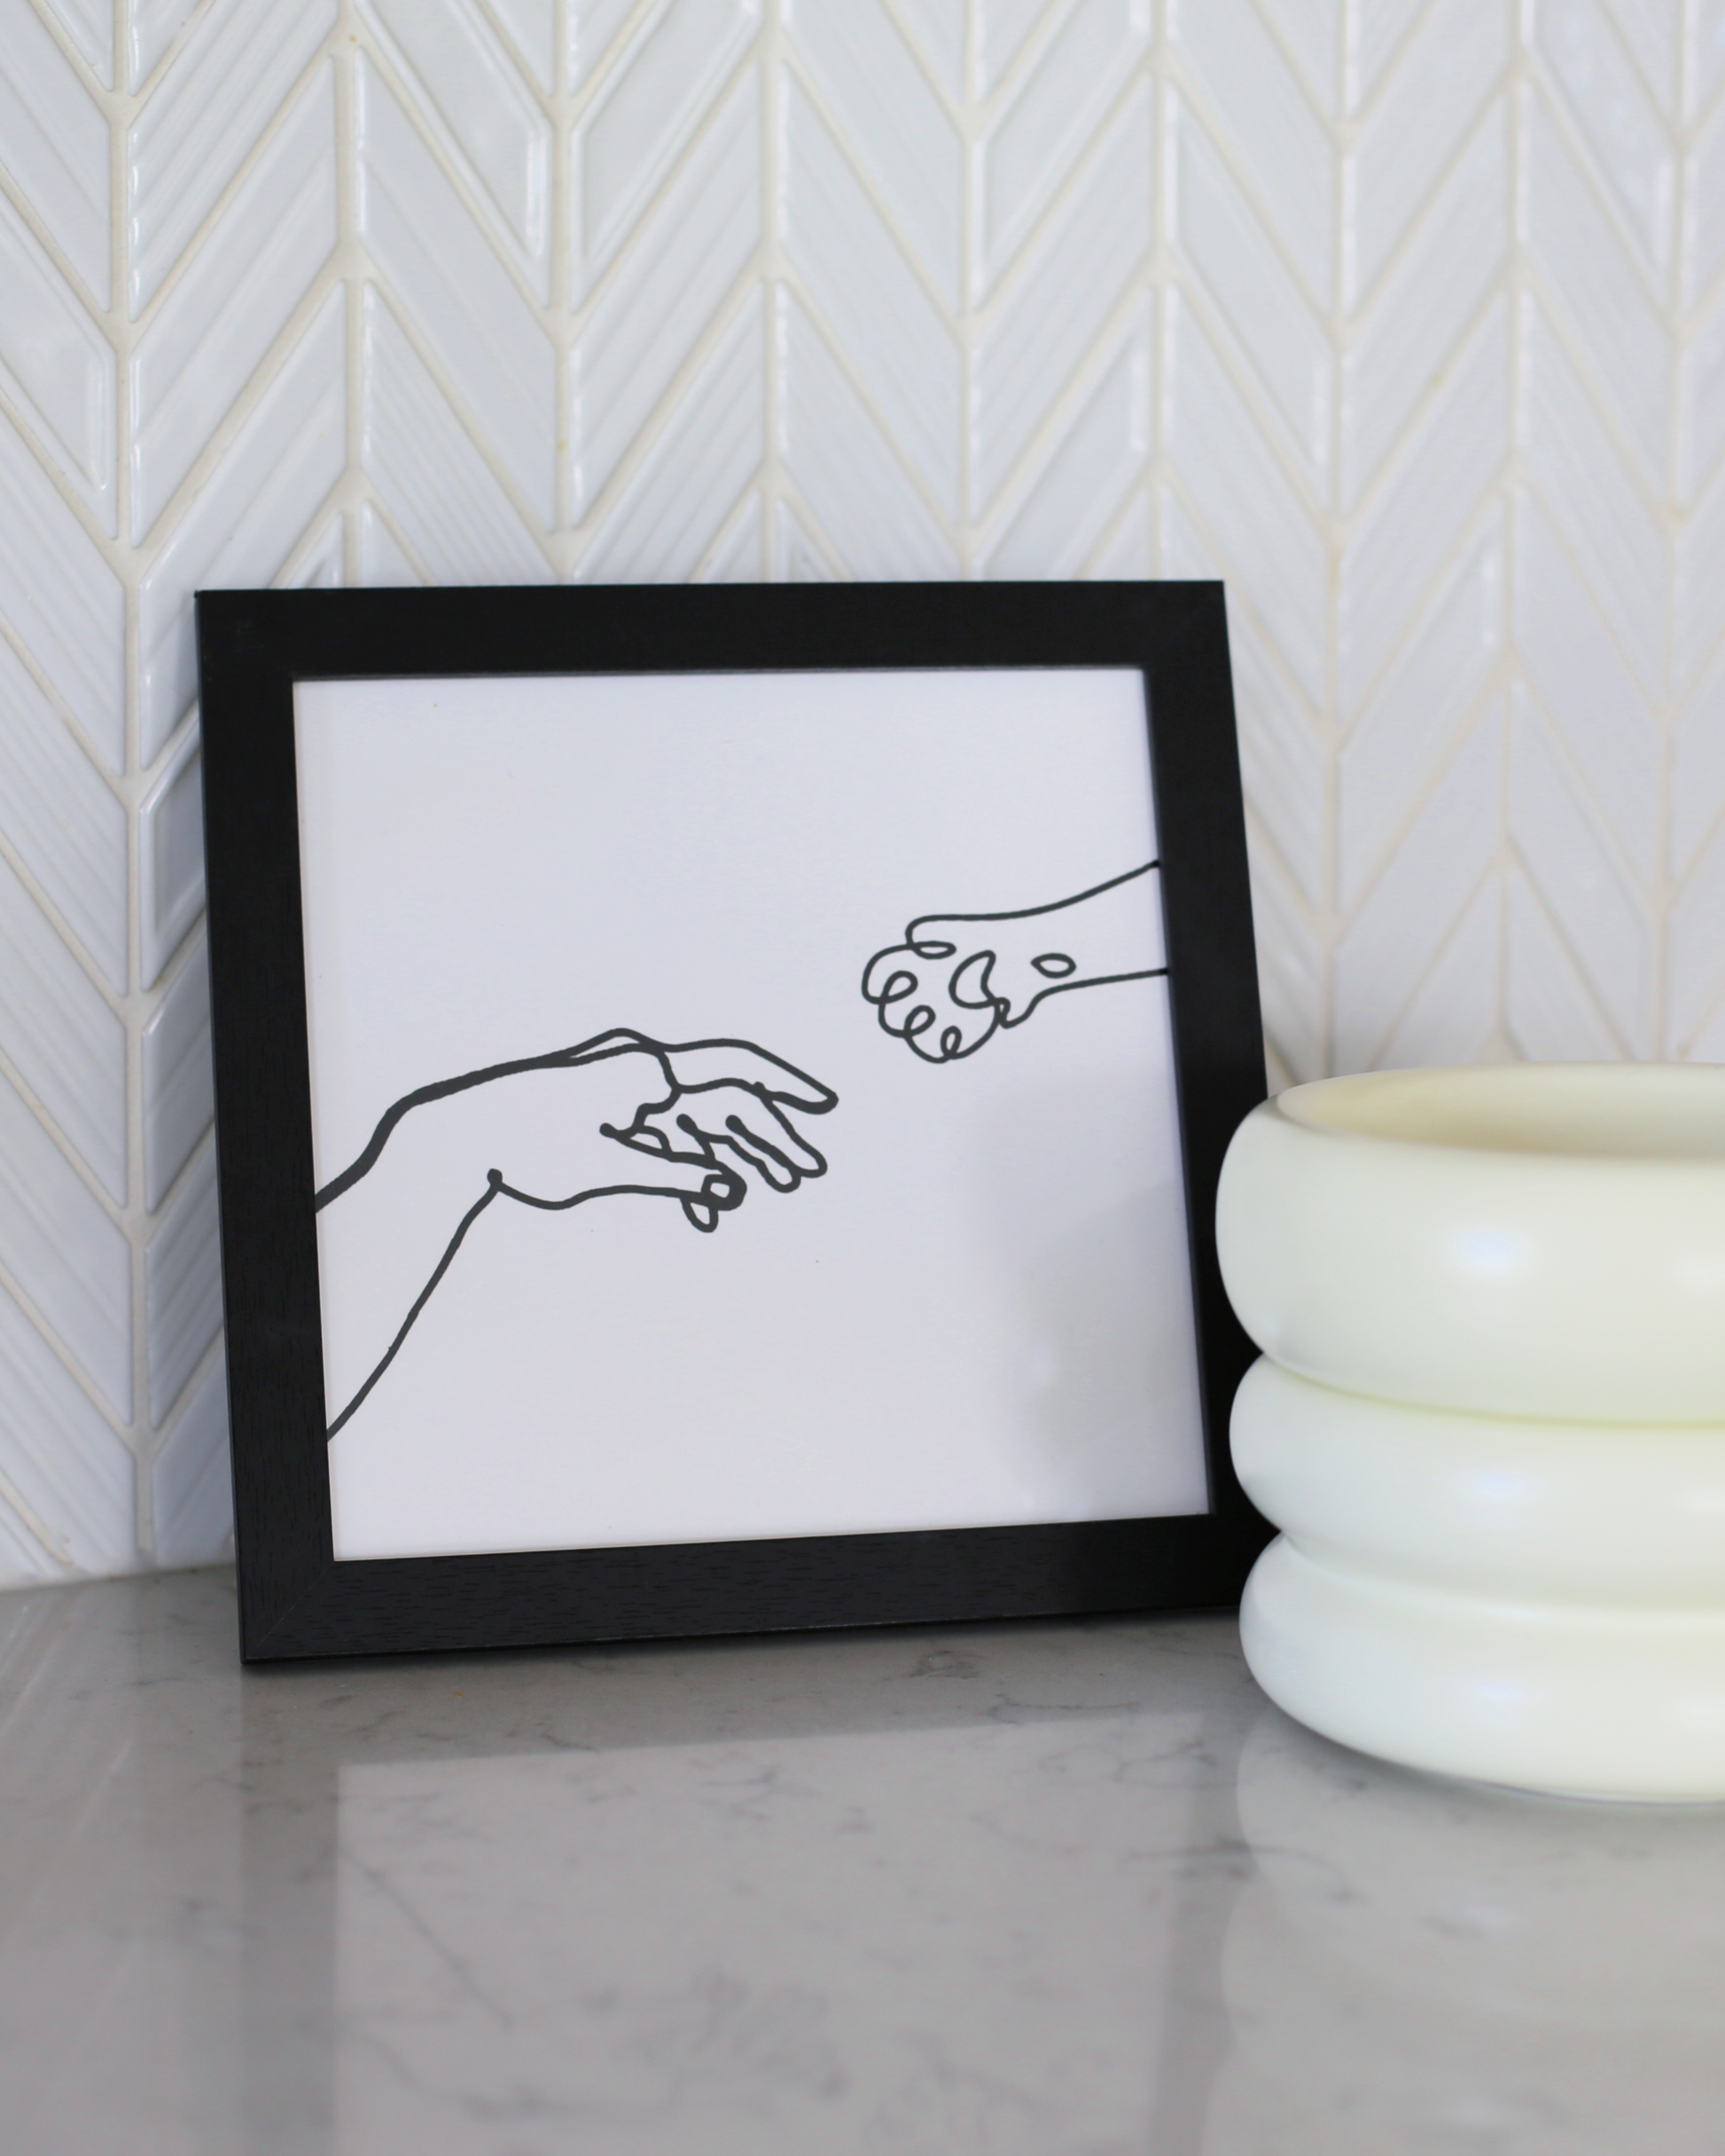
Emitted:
<point x="957" y="979"/>
<point x="432" y="1157"/>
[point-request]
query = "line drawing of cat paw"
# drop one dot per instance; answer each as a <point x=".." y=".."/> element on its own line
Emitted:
<point x="955" y="980"/>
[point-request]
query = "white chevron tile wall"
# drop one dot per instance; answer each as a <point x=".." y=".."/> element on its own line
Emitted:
<point x="1406" y="317"/>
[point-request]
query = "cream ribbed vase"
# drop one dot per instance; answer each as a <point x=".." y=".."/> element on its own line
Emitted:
<point x="1491" y="1421"/>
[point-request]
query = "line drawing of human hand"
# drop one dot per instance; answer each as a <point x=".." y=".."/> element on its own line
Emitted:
<point x="619" y="1115"/>
<point x="746" y="1115"/>
<point x="957" y="979"/>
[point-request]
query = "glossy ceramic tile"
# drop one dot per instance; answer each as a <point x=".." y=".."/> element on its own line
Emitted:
<point x="1257" y="517"/>
<point x="62" y="1255"/>
<point x="243" y="523"/>
<point x="152" y="26"/>
<point x="317" y="563"/>
<point x="1610" y="527"/>
<point x="1550" y="1011"/>
<point x="1383" y="34"/>
<point x="1698" y="767"/>
<point x="484" y="117"/>
<point x="688" y="485"/>
<point x="1255" y="103"/>
<point x="1570" y="853"/>
<point x="1411" y="132"/>
<point x="1101" y="454"/>
<point x="235" y="296"/>
<point x="61" y="1036"/>
<point x="89" y="26"/>
<point x="893" y="120"/>
<point x="1422" y="506"/>
<point x="1709" y="55"/>
<point x="1452" y="1015"/>
<point x="1438" y="863"/>
<point x="62" y="822"/>
<point x="872" y="302"/>
<point x="56" y="367"/>
<point x="1051" y="313"/>
<point x="190" y="1485"/>
<point x="1431" y="301"/>
<point x="1396" y="748"/>
<point x="1577" y="672"/>
<point x="1703" y="399"/>
<point x="170" y="846"/>
<point x="383" y="559"/>
<point x="1003" y="28"/>
<point x="66" y="1471"/>
<point x="1408" y="320"/>
<point x="1049" y="119"/>
<point x="592" y="31"/>
<point x="63" y="599"/>
<point x="1698" y="965"/>
<point x="637" y="128"/>
<point x="1309" y="31"/>
<point x="1700" y="553"/>
<point x="1609" y="316"/>
<point x="1608" y="103"/>
<point x="530" y="25"/>
<point x="1292" y="970"/>
<point x="737" y="557"/>
<point x="478" y="330"/>
<point x="1282" y="758"/>
<point x="864" y="492"/>
<point x="54" y="147"/>
<point x="448" y="499"/>
<point x="223" y="88"/>
<point x="182" y="1291"/>
<point x="668" y="292"/>
<point x="1258" y="302"/>
<point x="178" y="1088"/>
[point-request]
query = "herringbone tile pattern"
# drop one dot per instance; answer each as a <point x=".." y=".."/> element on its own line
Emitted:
<point x="1408" y="318"/>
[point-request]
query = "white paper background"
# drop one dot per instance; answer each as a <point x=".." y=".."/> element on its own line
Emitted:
<point x="980" y="1316"/>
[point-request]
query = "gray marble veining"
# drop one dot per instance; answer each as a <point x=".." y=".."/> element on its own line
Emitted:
<point x="1046" y="1890"/>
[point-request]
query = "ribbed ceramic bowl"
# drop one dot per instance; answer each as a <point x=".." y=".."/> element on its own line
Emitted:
<point x="1531" y="1240"/>
<point x="1601" y="1514"/>
<point x="1580" y="1700"/>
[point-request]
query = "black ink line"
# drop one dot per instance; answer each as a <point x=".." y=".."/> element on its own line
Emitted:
<point x="494" y="1183"/>
<point x="619" y="1041"/>
<point x="1091" y="981"/>
<point x="714" y="1201"/>
<point x="721" y="1190"/>
<point x="1053" y="966"/>
<point x="1024" y="913"/>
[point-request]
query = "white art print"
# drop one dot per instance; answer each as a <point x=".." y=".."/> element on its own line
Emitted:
<point x="743" y="1107"/>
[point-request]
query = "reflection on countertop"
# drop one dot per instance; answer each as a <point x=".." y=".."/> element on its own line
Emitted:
<point x="1063" y="1889"/>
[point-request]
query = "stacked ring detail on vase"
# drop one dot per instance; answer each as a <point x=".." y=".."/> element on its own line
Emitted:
<point x="1490" y="1421"/>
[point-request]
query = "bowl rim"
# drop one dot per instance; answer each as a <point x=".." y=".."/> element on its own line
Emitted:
<point x="1583" y="1092"/>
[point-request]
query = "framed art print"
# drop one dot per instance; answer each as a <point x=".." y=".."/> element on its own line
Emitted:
<point x="720" y="1095"/>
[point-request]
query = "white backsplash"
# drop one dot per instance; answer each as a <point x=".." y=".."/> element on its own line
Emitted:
<point x="1406" y="317"/>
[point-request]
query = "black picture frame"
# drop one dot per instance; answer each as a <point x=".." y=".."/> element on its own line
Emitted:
<point x="296" y="1600"/>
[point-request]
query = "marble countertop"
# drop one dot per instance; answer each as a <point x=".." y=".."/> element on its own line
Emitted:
<point x="1063" y="1889"/>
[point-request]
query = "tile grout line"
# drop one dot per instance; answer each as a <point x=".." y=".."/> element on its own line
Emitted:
<point x="772" y="55"/>
<point x="351" y="269"/>
<point x="559" y="313"/>
<point x="1520" y="90"/>
<point x="1664" y="1045"/>
<point x="1160" y="281"/>
<point x="1341" y="182"/>
<point x="122" y="108"/>
<point x="971" y="58"/>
